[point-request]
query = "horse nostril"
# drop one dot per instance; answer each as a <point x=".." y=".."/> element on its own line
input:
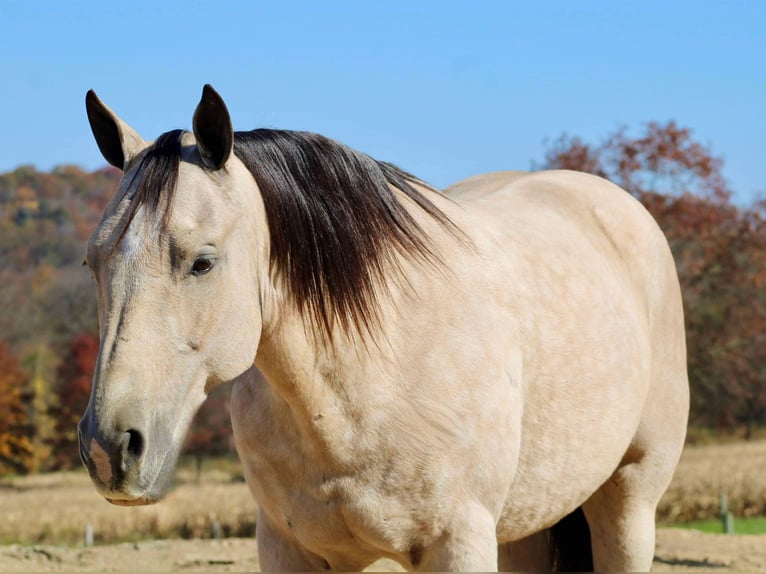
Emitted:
<point x="133" y="444"/>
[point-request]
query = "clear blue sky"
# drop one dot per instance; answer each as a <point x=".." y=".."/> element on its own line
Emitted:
<point x="446" y="89"/>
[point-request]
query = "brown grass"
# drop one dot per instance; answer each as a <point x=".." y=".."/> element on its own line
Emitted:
<point x="54" y="508"/>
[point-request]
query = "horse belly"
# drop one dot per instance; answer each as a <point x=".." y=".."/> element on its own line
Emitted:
<point x="546" y="490"/>
<point x="576" y="428"/>
<point x="586" y="376"/>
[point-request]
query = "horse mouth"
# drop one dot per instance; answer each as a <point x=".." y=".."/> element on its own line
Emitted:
<point x="143" y="501"/>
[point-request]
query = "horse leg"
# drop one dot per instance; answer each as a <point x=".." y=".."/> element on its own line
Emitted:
<point x="470" y="545"/>
<point x="530" y="554"/>
<point x="621" y="523"/>
<point x="621" y="513"/>
<point x="278" y="554"/>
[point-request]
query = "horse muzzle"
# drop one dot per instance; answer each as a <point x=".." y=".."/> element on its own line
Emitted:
<point x="125" y="467"/>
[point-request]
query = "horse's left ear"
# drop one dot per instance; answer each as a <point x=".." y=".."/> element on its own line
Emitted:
<point x="212" y="128"/>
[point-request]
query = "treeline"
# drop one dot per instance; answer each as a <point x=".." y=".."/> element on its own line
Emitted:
<point x="48" y="325"/>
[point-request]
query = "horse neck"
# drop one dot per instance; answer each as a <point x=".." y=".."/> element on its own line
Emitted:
<point x="296" y="354"/>
<point x="305" y="388"/>
<point x="344" y="377"/>
<point x="327" y="388"/>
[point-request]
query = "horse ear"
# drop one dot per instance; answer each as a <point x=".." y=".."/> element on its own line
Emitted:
<point x="118" y="142"/>
<point x="212" y="128"/>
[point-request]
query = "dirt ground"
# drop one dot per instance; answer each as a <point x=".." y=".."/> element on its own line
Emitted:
<point x="676" y="550"/>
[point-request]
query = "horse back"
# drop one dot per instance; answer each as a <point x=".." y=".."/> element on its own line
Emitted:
<point x="511" y="205"/>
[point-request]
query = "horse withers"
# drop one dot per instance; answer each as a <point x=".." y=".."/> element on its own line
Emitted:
<point x="445" y="376"/>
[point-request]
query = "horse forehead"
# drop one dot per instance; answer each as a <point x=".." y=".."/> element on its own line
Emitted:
<point x="198" y="206"/>
<point x="132" y="244"/>
<point x="199" y="199"/>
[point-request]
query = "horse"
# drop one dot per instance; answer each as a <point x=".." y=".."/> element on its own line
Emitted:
<point x="442" y="377"/>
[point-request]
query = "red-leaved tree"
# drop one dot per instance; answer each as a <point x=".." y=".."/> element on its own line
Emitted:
<point x="74" y="376"/>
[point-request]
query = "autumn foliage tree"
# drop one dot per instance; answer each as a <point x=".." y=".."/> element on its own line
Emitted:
<point x="45" y="219"/>
<point x="15" y="429"/>
<point x="46" y="296"/>
<point x="664" y="160"/>
<point x="720" y="253"/>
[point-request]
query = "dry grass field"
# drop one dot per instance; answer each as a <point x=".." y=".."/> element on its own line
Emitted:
<point x="736" y="469"/>
<point x="55" y="508"/>
<point x="44" y="520"/>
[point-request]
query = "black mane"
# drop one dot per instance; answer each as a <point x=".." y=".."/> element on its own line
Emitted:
<point x="336" y="226"/>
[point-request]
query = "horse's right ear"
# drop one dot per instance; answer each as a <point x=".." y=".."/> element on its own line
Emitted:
<point x="118" y="142"/>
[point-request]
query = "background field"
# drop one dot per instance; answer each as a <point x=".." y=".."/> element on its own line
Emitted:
<point x="736" y="469"/>
<point x="55" y="508"/>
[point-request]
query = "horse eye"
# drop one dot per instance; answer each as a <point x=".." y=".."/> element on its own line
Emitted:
<point x="202" y="265"/>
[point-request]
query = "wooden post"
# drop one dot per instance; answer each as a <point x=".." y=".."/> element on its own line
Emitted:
<point x="88" y="535"/>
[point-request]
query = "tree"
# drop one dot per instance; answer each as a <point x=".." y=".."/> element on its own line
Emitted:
<point x="15" y="430"/>
<point x="45" y="220"/>
<point x="663" y="160"/>
<point x="720" y="254"/>
<point x="74" y="376"/>
<point x="40" y="364"/>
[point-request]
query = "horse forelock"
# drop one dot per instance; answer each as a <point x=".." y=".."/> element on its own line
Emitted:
<point x="153" y="182"/>
<point x="336" y="227"/>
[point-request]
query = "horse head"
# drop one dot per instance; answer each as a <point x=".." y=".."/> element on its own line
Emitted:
<point x="176" y="262"/>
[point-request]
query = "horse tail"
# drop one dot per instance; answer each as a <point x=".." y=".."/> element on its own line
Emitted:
<point x="570" y="544"/>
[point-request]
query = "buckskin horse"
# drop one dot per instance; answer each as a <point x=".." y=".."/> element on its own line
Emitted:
<point x="446" y="376"/>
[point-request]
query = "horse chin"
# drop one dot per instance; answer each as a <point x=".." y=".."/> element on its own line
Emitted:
<point x="139" y="497"/>
<point x="147" y="487"/>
